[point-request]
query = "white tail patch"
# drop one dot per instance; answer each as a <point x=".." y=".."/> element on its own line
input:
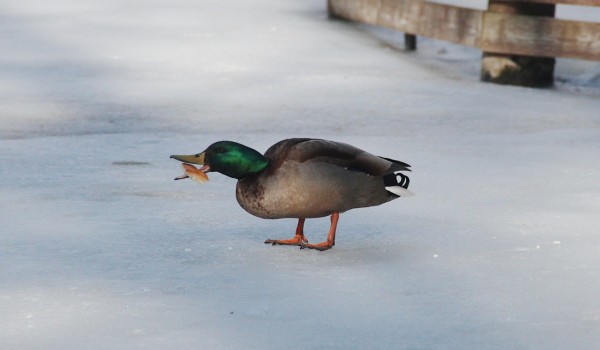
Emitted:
<point x="399" y="191"/>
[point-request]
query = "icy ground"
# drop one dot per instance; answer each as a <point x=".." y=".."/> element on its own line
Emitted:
<point x="101" y="249"/>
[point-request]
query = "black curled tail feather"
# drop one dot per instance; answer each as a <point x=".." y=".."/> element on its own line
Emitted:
<point x="397" y="183"/>
<point x="396" y="179"/>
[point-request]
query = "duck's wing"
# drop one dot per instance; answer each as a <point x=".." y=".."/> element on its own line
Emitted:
<point x="337" y="153"/>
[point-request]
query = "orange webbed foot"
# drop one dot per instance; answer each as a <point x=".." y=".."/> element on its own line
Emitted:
<point x="301" y="241"/>
<point x="297" y="240"/>
<point x="319" y="246"/>
<point x="330" y="242"/>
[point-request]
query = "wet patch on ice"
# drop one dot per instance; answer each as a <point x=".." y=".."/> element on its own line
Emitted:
<point x="130" y="163"/>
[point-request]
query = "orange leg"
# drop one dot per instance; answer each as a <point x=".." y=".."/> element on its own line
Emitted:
<point x="330" y="242"/>
<point x="298" y="239"/>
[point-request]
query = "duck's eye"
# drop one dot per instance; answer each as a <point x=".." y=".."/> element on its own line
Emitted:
<point x="221" y="150"/>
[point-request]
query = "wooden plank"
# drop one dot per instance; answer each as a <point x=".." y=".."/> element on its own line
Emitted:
<point x="540" y="36"/>
<point x="445" y="22"/>
<point x="492" y="32"/>
<point x="558" y="2"/>
<point x="364" y="11"/>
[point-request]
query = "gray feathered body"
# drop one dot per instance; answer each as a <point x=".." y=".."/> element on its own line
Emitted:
<point x="308" y="178"/>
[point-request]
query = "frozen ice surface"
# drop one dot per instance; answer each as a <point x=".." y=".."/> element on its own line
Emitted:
<point x="101" y="249"/>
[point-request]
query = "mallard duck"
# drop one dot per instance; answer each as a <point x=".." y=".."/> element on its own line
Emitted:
<point x="302" y="178"/>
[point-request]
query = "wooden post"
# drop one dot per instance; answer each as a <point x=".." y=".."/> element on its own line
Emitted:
<point x="503" y="68"/>
<point x="410" y="42"/>
<point x="330" y="13"/>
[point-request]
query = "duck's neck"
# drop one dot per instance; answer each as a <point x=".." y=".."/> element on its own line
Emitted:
<point x="247" y="163"/>
<point x="255" y="167"/>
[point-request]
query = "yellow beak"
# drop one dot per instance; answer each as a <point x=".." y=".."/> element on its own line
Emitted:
<point x="193" y="158"/>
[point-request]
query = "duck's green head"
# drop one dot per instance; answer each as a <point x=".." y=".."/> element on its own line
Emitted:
<point x="228" y="158"/>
